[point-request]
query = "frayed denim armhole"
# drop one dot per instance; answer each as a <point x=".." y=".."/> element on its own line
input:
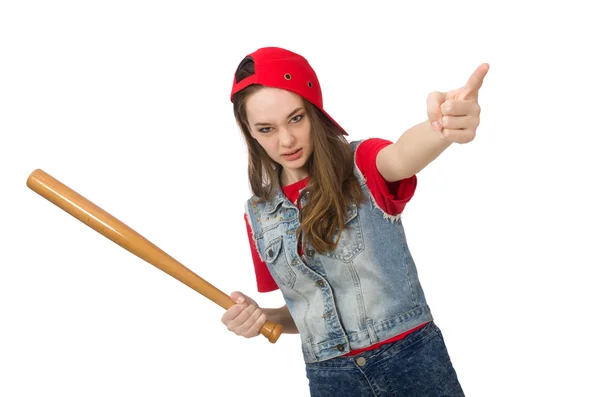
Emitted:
<point x="251" y="223"/>
<point x="363" y="182"/>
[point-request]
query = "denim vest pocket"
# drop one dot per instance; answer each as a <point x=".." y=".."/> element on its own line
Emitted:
<point x="277" y="262"/>
<point x="351" y="242"/>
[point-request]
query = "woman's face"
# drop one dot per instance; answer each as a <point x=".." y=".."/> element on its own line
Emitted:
<point x="278" y="120"/>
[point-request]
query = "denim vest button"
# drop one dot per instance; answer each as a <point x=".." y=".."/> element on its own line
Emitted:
<point x="310" y="253"/>
<point x="320" y="283"/>
<point x="340" y="347"/>
<point x="361" y="361"/>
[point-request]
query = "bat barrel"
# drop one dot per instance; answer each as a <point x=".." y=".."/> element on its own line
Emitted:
<point x="104" y="223"/>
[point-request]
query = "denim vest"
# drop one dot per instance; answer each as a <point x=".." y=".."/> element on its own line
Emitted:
<point x="365" y="291"/>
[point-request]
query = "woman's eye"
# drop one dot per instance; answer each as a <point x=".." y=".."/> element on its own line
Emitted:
<point x="265" y="130"/>
<point x="297" y="118"/>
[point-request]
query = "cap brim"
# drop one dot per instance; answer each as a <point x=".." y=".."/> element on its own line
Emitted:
<point x="334" y="122"/>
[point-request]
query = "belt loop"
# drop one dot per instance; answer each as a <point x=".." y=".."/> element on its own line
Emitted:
<point x="372" y="335"/>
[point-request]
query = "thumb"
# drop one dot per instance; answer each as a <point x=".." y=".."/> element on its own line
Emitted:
<point x="434" y="109"/>
<point x="238" y="297"/>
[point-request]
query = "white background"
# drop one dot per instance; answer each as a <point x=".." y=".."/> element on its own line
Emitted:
<point x="128" y="104"/>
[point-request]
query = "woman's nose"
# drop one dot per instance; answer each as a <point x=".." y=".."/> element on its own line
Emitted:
<point x="286" y="138"/>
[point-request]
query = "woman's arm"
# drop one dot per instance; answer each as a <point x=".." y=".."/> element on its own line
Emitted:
<point x="452" y="117"/>
<point x="282" y="316"/>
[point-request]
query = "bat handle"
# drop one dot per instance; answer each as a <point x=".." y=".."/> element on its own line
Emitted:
<point x="271" y="331"/>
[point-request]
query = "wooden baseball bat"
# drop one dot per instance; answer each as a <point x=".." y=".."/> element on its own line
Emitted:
<point x="115" y="230"/>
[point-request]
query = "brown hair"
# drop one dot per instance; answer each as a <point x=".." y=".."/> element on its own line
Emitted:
<point x="332" y="184"/>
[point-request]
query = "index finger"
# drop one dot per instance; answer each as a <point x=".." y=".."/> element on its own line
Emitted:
<point x="234" y="311"/>
<point x="476" y="80"/>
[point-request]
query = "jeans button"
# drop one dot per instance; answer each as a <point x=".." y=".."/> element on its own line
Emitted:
<point x="361" y="361"/>
<point x="340" y="347"/>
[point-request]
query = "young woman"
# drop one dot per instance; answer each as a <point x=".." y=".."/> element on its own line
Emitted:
<point x="324" y="228"/>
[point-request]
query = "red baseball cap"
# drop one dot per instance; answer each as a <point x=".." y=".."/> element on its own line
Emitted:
<point x="280" y="68"/>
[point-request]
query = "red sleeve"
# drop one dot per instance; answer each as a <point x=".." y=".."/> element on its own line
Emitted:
<point x="391" y="197"/>
<point x="264" y="280"/>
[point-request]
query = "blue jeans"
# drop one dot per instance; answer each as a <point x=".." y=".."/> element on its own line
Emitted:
<point x="418" y="365"/>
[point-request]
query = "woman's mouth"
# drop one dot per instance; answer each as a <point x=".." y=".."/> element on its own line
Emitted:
<point x="294" y="155"/>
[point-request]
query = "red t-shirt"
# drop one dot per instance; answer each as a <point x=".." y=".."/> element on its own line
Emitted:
<point x="391" y="197"/>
